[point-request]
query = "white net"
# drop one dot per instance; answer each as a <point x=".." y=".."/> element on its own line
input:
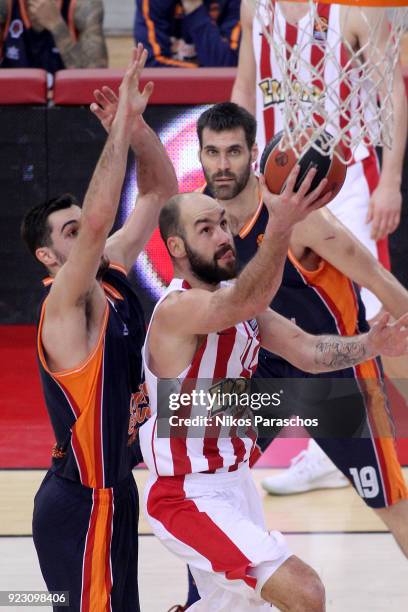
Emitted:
<point x="337" y="65"/>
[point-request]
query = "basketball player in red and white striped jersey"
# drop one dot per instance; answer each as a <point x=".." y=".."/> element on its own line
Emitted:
<point x="200" y="499"/>
<point x="369" y="204"/>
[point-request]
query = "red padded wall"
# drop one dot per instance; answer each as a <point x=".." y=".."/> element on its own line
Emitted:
<point x="172" y="85"/>
<point x="23" y="86"/>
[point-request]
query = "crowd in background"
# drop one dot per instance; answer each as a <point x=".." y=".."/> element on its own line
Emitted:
<point x="177" y="33"/>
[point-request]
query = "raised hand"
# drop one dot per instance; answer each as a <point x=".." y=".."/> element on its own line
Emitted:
<point x="290" y="207"/>
<point x="132" y="102"/>
<point x="106" y="106"/>
<point x="390" y="339"/>
<point x="384" y="210"/>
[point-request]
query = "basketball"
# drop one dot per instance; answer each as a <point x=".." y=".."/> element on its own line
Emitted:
<point x="276" y="165"/>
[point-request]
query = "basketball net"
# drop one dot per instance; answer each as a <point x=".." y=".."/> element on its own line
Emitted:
<point x="346" y="91"/>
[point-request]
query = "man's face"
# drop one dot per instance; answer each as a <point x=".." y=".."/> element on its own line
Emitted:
<point x="64" y="226"/>
<point x="64" y="232"/>
<point x="226" y="161"/>
<point x="212" y="258"/>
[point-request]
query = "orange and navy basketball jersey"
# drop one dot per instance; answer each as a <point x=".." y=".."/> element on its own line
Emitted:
<point x="323" y="301"/>
<point x="23" y="47"/>
<point x="96" y="408"/>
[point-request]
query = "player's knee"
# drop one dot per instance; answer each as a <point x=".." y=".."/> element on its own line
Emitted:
<point x="313" y="596"/>
<point x="295" y="587"/>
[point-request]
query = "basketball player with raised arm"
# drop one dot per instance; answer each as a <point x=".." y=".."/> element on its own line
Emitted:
<point x="90" y="334"/>
<point x="200" y="499"/>
<point x="369" y="204"/>
<point x="316" y="292"/>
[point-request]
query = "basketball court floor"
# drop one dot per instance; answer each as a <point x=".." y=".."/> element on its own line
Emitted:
<point x="358" y="561"/>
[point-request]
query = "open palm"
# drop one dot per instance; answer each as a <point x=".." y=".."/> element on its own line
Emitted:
<point x="107" y="102"/>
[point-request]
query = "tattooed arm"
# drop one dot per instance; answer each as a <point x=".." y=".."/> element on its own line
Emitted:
<point x="89" y="51"/>
<point x="336" y="353"/>
<point x="317" y="354"/>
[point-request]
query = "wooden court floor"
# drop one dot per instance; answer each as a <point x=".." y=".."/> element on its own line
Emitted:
<point x="360" y="564"/>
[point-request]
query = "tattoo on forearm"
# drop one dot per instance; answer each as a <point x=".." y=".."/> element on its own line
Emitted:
<point x="340" y="353"/>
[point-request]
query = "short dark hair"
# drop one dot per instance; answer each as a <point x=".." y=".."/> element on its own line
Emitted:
<point x="227" y="116"/>
<point x="35" y="229"/>
<point x="169" y="218"/>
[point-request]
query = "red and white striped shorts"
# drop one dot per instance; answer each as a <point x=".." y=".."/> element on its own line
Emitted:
<point x="215" y="523"/>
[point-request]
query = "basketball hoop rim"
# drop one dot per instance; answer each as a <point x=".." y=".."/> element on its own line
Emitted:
<point x="372" y="3"/>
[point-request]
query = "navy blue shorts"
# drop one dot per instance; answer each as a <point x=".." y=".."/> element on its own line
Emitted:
<point x="355" y="432"/>
<point x="87" y="543"/>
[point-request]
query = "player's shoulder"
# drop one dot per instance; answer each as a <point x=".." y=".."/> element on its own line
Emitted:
<point x="182" y="294"/>
<point x="180" y="302"/>
<point x="167" y="310"/>
<point x="116" y="270"/>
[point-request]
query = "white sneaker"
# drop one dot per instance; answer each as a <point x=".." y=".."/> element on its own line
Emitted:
<point x="307" y="471"/>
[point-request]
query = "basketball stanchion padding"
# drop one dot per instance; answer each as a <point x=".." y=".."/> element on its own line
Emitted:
<point x="23" y="86"/>
<point x="276" y="164"/>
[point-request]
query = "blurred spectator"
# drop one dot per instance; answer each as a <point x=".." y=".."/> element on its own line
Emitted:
<point x="52" y="34"/>
<point x="189" y="33"/>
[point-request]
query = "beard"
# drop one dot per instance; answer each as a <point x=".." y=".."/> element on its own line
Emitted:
<point x="209" y="271"/>
<point x="229" y="190"/>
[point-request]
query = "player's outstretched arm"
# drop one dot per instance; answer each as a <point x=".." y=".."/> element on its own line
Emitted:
<point x="324" y="234"/>
<point x="77" y="275"/>
<point x="243" y="91"/>
<point x="200" y="312"/>
<point x="317" y="354"/>
<point x="157" y="182"/>
<point x="156" y="179"/>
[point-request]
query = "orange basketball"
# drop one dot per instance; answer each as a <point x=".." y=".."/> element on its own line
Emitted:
<point x="276" y="165"/>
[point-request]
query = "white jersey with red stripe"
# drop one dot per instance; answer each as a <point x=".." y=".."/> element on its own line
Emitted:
<point x="269" y="94"/>
<point x="228" y="354"/>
